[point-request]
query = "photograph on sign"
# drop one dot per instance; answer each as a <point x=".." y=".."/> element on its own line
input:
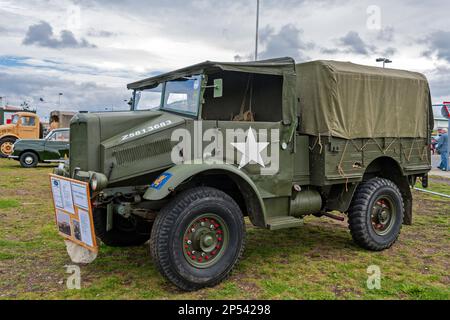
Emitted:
<point x="77" y="230"/>
<point x="63" y="221"/>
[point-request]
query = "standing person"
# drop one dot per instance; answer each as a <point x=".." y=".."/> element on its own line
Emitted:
<point x="442" y="147"/>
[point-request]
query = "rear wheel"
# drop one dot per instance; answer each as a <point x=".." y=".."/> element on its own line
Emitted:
<point x="134" y="231"/>
<point x="198" y="238"/>
<point x="376" y="214"/>
<point x="6" y="147"/>
<point x="29" y="160"/>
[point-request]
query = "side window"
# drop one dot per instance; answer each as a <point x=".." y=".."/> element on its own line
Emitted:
<point x="28" y="121"/>
<point x="52" y="137"/>
<point x="63" y="136"/>
<point x="60" y="136"/>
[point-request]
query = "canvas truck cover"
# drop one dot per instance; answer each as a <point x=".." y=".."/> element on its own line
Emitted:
<point x="284" y="67"/>
<point x="351" y="101"/>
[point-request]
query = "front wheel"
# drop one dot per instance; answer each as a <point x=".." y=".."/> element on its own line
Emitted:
<point x="198" y="238"/>
<point x="29" y="160"/>
<point x="6" y="147"/>
<point x="376" y="214"/>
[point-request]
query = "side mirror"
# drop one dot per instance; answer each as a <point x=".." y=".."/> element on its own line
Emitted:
<point x="218" y="88"/>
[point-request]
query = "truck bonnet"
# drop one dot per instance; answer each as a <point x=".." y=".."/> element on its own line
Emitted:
<point x="122" y="144"/>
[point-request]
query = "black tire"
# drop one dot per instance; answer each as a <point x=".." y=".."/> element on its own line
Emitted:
<point x="29" y="160"/>
<point x="125" y="232"/>
<point x="166" y="242"/>
<point x="372" y="200"/>
<point x="3" y="141"/>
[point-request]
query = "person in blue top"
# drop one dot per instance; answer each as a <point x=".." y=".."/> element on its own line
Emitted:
<point x="442" y="147"/>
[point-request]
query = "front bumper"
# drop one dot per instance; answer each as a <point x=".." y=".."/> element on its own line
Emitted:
<point x="97" y="181"/>
<point x="13" y="157"/>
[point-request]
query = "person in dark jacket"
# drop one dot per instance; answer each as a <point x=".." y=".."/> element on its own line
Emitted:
<point x="442" y="148"/>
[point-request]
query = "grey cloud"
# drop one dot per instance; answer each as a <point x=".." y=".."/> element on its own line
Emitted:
<point x="243" y="58"/>
<point x="77" y="96"/>
<point x="287" y="42"/>
<point x="440" y="83"/>
<point x="386" y="34"/>
<point x="355" y="44"/>
<point x="265" y="33"/>
<point x="439" y="43"/>
<point x="329" y="51"/>
<point x="389" y="52"/>
<point x="42" y="35"/>
<point x="101" y="33"/>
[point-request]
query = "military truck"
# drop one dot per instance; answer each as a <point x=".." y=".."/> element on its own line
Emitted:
<point x="348" y="139"/>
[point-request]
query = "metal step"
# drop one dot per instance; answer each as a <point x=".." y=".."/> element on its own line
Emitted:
<point x="278" y="223"/>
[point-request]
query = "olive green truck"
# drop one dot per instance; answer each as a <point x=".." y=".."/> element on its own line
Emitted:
<point x="208" y="145"/>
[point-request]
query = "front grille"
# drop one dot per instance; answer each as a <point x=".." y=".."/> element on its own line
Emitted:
<point x="149" y="150"/>
<point x="78" y="146"/>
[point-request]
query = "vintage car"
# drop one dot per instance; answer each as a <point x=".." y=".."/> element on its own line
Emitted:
<point x="54" y="148"/>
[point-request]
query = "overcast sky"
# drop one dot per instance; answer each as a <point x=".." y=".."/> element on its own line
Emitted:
<point x="90" y="49"/>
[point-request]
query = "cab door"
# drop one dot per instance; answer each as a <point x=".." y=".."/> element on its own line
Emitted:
<point x="57" y="146"/>
<point x="28" y="127"/>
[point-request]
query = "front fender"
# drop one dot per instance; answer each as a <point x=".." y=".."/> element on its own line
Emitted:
<point x="9" y="135"/>
<point x="174" y="177"/>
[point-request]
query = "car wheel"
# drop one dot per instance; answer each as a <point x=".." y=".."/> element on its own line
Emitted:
<point x="198" y="238"/>
<point x="376" y="214"/>
<point x="29" y="160"/>
<point x="6" y="147"/>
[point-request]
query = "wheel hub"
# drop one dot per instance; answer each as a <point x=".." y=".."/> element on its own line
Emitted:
<point x="6" y="148"/>
<point x="29" y="160"/>
<point x="382" y="216"/>
<point x="205" y="240"/>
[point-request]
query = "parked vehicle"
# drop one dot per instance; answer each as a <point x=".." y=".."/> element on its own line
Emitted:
<point x="26" y="125"/>
<point x="60" y="119"/>
<point x="340" y="145"/>
<point x="7" y="112"/>
<point x="53" y="149"/>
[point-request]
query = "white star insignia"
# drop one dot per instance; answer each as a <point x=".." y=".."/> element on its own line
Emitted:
<point x="251" y="150"/>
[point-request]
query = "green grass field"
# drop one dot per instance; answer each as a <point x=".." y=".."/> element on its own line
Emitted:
<point x="317" y="261"/>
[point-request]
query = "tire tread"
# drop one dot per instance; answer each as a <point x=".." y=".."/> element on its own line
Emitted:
<point x="161" y="234"/>
<point x="358" y="213"/>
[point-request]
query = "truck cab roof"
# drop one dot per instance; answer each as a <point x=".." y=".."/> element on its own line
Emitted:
<point x="26" y="114"/>
<point x="277" y="66"/>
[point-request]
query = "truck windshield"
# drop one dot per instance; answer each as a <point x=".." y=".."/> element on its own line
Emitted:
<point x="183" y="95"/>
<point x="180" y="96"/>
<point x="149" y="99"/>
<point x="15" y="119"/>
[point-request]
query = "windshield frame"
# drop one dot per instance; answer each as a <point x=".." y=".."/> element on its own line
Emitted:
<point x="51" y="133"/>
<point x="54" y="133"/>
<point x="201" y="79"/>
